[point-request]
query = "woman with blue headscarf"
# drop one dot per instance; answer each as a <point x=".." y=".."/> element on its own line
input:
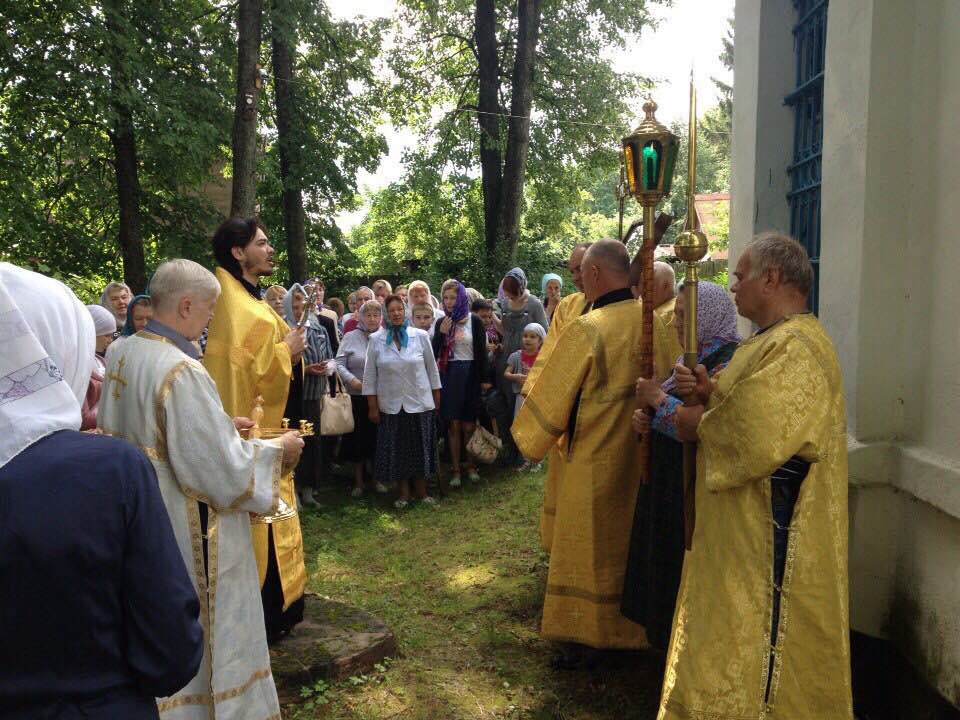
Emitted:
<point x="518" y="308"/>
<point x="402" y="386"/>
<point x="139" y="312"/>
<point x="308" y="383"/>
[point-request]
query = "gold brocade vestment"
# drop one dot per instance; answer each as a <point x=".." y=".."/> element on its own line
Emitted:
<point x="596" y="357"/>
<point x="666" y="311"/>
<point x="780" y="396"/>
<point x="246" y="357"/>
<point x="570" y="308"/>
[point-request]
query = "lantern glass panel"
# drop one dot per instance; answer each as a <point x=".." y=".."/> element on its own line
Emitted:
<point x="628" y="163"/>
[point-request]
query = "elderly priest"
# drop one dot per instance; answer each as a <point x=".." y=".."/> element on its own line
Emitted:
<point x="158" y="396"/>
<point x="761" y="626"/>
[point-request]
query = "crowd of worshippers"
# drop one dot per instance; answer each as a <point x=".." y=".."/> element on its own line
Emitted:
<point x="171" y="551"/>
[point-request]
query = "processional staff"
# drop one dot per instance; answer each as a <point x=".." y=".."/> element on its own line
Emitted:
<point x="649" y="155"/>
<point x="691" y="247"/>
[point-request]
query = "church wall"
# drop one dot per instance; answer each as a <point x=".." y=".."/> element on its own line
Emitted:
<point x="762" y="126"/>
<point x="890" y="292"/>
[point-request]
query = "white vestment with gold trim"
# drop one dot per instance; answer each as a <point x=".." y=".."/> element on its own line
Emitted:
<point x="166" y="403"/>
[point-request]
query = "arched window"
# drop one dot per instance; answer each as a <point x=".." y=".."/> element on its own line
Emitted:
<point x="809" y="41"/>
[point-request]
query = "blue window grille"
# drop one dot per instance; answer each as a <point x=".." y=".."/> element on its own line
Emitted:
<point x="809" y="42"/>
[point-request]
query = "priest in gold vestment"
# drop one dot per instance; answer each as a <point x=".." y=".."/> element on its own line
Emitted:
<point x="250" y="352"/>
<point x="583" y="400"/>
<point x="570" y="308"/>
<point x="761" y="626"/>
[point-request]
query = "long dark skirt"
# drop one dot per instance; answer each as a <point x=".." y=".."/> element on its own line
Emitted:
<point x="361" y="444"/>
<point x="655" y="562"/>
<point x="657" y="548"/>
<point x="314" y="466"/>
<point x="406" y="447"/>
<point x="460" y="395"/>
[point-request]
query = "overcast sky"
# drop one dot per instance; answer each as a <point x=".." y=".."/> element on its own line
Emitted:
<point x="689" y="32"/>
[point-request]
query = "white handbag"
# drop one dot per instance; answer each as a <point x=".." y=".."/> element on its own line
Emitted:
<point x="336" y="415"/>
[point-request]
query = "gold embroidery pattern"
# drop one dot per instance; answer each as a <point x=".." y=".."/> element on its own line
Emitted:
<point x="196" y="543"/>
<point x="541" y="419"/>
<point x="181" y="700"/>
<point x="580" y="594"/>
<point x="118" y="378"/>
<point x="161" y="414"/>
<point x="151" y="453"/>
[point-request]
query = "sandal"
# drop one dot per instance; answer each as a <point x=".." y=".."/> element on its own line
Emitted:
<point x="473" y="475"/>
<point x="428" y="500"/>
<point x="400" y="504"/>
<point x="356" y="492"/>
<point x="455" y="481"/>
<point x="381" y="488"/>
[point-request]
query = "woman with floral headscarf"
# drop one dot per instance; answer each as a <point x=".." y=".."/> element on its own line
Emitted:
<point x="518" y="308"/>
<point x="460" y="346"/>
<point x="657" y="543"/>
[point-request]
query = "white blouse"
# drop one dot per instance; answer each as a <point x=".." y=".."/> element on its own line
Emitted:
<point x="463" y="340"/>
<point x="404" y="378"/>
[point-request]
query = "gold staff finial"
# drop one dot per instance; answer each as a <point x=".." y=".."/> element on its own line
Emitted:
<point x="690" y="246"/>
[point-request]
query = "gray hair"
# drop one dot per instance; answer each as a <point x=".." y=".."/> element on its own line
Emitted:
<point x="110" y="288"/>
<point x="773" y="250"/>
<point x="369" y="306"/>
<point x="176" y="278"/>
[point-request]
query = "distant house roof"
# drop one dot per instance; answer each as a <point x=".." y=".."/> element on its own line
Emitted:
<point x="707" y="205"/>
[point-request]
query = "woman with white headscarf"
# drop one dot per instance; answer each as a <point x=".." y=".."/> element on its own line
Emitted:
<point x="103" y="617"/>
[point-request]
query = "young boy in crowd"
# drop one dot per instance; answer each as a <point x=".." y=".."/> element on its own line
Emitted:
<point x="423" y="317"/>
<point x="494" y="408"/>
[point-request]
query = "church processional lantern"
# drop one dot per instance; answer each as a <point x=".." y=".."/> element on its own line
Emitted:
<point x="649" y="157"/>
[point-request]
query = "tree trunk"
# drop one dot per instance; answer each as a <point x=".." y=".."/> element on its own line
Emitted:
<point x="288" y="139"/>
<point x="124" y="141"/>
<point x="518" y="135"/>
<point x="249" y="19"/>
<point x="488" y="104"/>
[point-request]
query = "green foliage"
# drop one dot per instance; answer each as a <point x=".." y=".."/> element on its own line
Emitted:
<point x="338" y="106"/>
<point x="58" y="195"/>
<point x="719" y="229"/>
<point x="580" y="113"/>
<point x="57" y="184"/>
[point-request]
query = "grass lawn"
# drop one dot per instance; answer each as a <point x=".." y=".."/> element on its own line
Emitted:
<point x="461" y="585"/>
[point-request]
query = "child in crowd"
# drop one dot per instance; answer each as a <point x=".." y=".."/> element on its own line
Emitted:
<point x="483" y="309"/>
<point x="495" y="410"/>
<point x="520" y="361"/>
<point x="519" y="364"/>
<point x="423" y="317"/>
